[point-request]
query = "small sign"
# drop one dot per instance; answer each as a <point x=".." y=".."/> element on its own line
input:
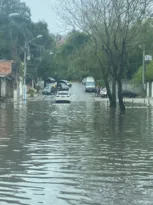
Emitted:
<point x="148" y="58"/>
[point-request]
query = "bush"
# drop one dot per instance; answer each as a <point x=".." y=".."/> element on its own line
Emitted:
<point x="31" y="92"/>
<point x="100" y="83"/>
<point x="137" y="78"/>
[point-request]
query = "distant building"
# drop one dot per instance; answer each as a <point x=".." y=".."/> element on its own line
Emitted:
<point x="61" y="40"/>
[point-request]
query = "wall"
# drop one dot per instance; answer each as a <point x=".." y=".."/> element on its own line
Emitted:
<point x="3" y="87"/>
<point x="149" y="89"/>
<point x="127" y="85"/>
<point x="18" y="90"/>
<point x="9" y="88"/>
<point x="20" y="87"/>
<point x="41" y="84"/>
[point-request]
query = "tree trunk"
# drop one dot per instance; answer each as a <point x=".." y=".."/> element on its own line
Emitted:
<point x="120" y="97"/>
<point x="114" y="91"/>
<point x="111" y="96"/>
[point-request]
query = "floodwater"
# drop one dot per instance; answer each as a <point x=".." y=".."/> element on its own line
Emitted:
<point x="77" y="154"/>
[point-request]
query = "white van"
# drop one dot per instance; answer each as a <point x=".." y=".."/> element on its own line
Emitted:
<point x="90" y="85"/>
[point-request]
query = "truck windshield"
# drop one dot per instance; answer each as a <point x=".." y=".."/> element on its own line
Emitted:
<point x="90" y="83"/>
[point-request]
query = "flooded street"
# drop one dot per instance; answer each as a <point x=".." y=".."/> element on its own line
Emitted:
<point x="75" y="154"/>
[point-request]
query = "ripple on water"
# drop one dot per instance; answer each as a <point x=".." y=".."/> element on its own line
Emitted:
<point x="75" y="154"/>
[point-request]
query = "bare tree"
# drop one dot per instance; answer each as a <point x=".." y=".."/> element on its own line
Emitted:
<point x="112" y="25"/>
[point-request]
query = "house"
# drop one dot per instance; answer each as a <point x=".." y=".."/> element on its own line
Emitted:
<point x="61" y="40"/>
<point x="8" y="79"/>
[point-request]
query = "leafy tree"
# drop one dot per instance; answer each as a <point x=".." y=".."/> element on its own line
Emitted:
<point x="14" y="6"/>
<point x="76" y="58"/>
<point x="15" y="30"/>
<point x="111" y="25"/>
<point x="46" y="66"/>
<point x="11" y="27"/>
<point x="40" y="51"/>
<point x="135" y="57"/>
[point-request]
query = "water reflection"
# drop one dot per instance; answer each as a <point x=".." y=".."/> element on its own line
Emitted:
<point x="81" y="153"/>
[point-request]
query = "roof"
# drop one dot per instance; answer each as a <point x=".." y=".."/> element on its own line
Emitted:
<point x="5" y="68"/>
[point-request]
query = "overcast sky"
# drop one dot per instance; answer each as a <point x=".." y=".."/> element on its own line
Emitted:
<point x="43" y="10"/>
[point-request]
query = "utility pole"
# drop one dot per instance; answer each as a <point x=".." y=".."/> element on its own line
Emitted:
<point x="143" y="69"/>
<point x="25" y="72"/>
<point x="27" y="55"/>
<point x="1" y="5"/>
<point x="26" y="52"/>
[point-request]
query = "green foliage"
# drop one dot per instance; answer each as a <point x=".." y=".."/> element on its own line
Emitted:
<point x="15" y="30"/>
<point x="46" y="67"/>
<point x="41" y="63"/>
<point x="137" y="78"/>
<point x="135" y="49"/>
<point x="148" y="74"/>
<point x="77" y="40"/>
<point x="14" y="6"/>
<point x="31" y="92"/>
<point x="75" y="59"/>
<point x="100" y="83"/>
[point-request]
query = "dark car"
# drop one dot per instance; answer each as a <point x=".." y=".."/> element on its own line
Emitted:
<point x="47" y="90"/>
<point x="62" y="87"/>
<point x="65" y="82"/>
<point x="68" y="83"/>
<point x="129" y="94"/>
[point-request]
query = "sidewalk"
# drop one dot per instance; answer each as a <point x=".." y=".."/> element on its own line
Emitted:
<point x="21" y="98"/>
<point x="144" y="101"/>
<point x="36" y="96"/>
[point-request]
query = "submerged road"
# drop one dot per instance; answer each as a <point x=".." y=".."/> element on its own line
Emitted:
<point x="77" y="94"/>
<point x="75" y="154"/>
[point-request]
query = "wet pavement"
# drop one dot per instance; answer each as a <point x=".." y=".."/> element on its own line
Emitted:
<point x="75" y="154"/>
<point x="77" y="94"/>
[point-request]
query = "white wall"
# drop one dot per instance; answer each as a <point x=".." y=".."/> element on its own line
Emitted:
<point x="20" y="87"/>
<point x="18" y="92"/>
<point x="129" y="86"/>
<point x="15" y="95"/>
<point x="41" y="84"/>
<point x="148" y="90"/>
<point x="3" y="87"/>
<point x="152" y="89"/>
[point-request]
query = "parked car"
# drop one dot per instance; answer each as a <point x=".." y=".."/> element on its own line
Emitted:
<point x="129" y="94"/>
<point x="62" y="87"/>
<point x="47" y="90"/>
<point x="63" y="97"/>
<point x="84" y="81"/>
<point x="125" y="94"/>
<point x="65" y="82"/>
<point x="54" y="84"/>
<point x="103" y="92"/>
